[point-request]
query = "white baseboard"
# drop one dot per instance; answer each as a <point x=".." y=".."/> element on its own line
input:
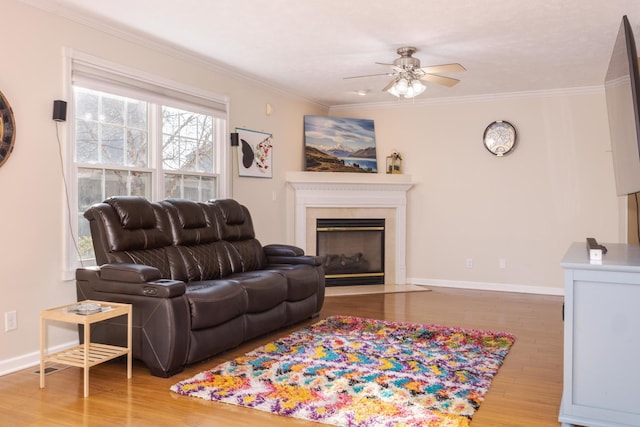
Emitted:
<point x="485" y="286"/>
<point x="8" y="366"/>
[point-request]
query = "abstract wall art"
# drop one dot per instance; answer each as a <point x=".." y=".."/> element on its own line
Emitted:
<point x="255" y="153"/>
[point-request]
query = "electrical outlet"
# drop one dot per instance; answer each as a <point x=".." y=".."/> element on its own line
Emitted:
<point x="469" y="263"/>
<point x="502" y="263"/>
<point x="10" y="321"/>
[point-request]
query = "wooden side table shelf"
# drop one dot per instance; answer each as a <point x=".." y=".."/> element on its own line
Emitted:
<point x="97" y="353"/>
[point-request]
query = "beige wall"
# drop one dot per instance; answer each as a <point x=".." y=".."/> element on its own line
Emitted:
<point x="526" y="207"/>
<point x="31" y="190"/>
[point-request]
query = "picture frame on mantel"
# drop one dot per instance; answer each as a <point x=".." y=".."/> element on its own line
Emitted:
<point x="255" y="153"/>
<point x="338" y="144"/>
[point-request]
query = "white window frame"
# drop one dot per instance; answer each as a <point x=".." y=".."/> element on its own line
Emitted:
<point x="114" y="78"/>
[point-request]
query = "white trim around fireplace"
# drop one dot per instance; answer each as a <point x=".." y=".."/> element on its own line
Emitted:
<point x="337" y="190"/>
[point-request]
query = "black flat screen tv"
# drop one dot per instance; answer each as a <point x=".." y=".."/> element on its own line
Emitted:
<point x="622" y="85"/>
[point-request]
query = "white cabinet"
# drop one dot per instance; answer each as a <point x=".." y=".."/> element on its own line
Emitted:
<point x="601" y="338"/>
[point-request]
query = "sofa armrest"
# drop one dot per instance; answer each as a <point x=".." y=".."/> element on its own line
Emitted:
<point x="161" y="318"/>
<point x="283" y="250"/>
<point x="131" y="273"/>
<point x="305" y="259"/>
<point x="288" y="254"/>
<point x="130" y="279"/>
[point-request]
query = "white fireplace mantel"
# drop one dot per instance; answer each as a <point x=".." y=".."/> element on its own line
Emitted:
<point x="342" y="190"/>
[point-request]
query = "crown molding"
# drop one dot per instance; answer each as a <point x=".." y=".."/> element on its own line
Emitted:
<point x="548" y="93"/>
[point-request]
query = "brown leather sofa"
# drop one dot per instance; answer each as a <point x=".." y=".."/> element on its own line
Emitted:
<point x="199" y="281"/>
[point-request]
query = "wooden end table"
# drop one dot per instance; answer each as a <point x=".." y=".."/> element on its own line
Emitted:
<point x="88" y="354"/>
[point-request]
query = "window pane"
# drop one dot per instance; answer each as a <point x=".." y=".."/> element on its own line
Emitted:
<point x="112" y="145"/>
<point x="113" y="110"/>
<point x="187" y="141"/>
<point x="89" y="192"/>
<point x="115" y="183"/>
<point x="137" y="148"/>
<point x="111" y="129"/>
<point x="208" y="188"/>
<point x="87" y="104"/>
<point x="137" y="114"/>
<point x="127" y="183"/>
<point x="192" y="187"/>
<point x="85" y="244"/>
<point x="87" y="141"/>
<point x="89" y="188"/>
<point x="205" y="158"/>
<point x="172" y="184"/>
<point x="141" y="184"/>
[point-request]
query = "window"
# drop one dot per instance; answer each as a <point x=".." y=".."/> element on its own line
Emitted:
<point x="138" y="135"/>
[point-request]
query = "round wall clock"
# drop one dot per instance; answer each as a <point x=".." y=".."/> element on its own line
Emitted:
<point x="7" y="129"/>
<point x="500" y="137"/>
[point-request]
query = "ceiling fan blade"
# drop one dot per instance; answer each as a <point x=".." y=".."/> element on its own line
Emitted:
<point x="383" y="63"/>
<point x="444" y="68"/>
<point x="387" y="87"/>
<point x="441" y="80"/>
<point x="367" y="75"/>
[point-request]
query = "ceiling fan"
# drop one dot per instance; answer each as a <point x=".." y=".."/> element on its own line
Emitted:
<point x="408" y="75"/>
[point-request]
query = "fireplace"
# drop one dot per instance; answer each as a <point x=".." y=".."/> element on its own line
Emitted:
<point x="353" y="249"/>
<point x="317" y="195"/>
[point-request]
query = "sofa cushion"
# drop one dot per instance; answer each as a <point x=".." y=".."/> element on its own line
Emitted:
<point x="232" y="211"/>
<point x="233" y="220"/>
<point x="302" y="280"/>
<point x="264" y="289"/>
<point x="188" y="223"/>
<point x="157" y="258"/>
<point x="213" y="302"/>
<point x="207" y="261"/>
<point x="236" y="227"/>
<point x="127" y="224"/>
<point x="189" y="213"/>
<point x="250" y="255"/>
<point x="134" y="212"/>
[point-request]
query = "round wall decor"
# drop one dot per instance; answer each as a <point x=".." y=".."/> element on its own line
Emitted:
<point x="7" y="129"/>
<point x="500" y="137"/>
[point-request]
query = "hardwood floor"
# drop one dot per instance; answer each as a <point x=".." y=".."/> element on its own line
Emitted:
<point x="526" y="391"/>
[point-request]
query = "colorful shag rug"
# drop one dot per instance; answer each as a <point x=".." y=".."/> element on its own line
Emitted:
<point x="349" y="371"/>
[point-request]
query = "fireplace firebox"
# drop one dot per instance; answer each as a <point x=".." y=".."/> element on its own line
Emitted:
<point x="353" y="249"/>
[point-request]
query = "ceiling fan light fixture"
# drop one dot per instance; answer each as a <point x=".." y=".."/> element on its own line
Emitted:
<point x="416" y="88"/>
<point x="407" y="88"/>
<point x="402" y="86"/>
<point x="410" y="93"/>
<point x="394" y="91"/>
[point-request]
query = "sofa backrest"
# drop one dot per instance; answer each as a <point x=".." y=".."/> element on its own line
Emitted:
<point x="185" y="240"/>
<point x="236" y="227"/>
<point x="130" y="229"/>
<point x="196" y="238"/>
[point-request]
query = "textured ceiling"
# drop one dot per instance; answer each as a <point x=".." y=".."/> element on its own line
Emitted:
<point x="308" y="47"/>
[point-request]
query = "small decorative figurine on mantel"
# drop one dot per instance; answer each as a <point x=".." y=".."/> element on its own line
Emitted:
<point x="394" y="163"/>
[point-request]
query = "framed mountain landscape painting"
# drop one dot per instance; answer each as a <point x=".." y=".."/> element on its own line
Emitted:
<point x="337" y="144"/>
